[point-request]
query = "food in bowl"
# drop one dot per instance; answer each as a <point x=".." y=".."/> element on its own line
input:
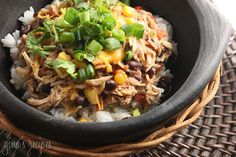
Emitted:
<point x="91" y="61"/>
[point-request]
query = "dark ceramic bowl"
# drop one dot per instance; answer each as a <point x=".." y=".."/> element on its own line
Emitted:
<point x="202" y="35"/>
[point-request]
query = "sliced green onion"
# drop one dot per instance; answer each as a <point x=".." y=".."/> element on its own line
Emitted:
<point x="94" y="14"/>
<point x="134" y="29"/>
<point x="60" y="22"/>
<point x="82" y="75"/>
<point x="112" y="44"/>
<point x="49" y="47"/>
<point x="136" y="112"/>
<point x="84" y="17"/>
<point x="108" y="21"/>
<point x="90" y="71"/>
<point x="82" y="55"/>
<point x="128" y="29"/>
<point x="98" y="3"/>
<point x="107" y="33"/>
<point x="79" y="55"/>
<point x="104" y="9"/>
<point x="118" y="34"/>
<point x="82" y="32"/>
<point x="72" y="16"/>
<point x="94" y="47"/>
<point x="66" y="37"/>
<point x="128" y="55"/>
<point x="83" y="5"/>
<point x="87" y="38"/>
<point x="93" y="29"/>
<point x="138" y="30"/>
<point x="78" y="34"/>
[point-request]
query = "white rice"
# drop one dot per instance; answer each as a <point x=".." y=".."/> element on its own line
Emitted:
<point x="12" y="41"/>
<point x="164" y="25"/>
<point x="108" y="116"/>
<point x="59" y="113"/>
<point x="119" y="114"/>
<point x="28" y="17"/>
<point x="103" y="116"/>
<point x="17" y="80"/>
<point x="9" y="41"/>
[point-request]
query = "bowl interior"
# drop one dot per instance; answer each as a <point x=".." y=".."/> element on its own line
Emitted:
<point x="186" y="34"/>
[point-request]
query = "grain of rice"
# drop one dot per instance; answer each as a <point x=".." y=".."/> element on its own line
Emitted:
<point x="28" y="17"/>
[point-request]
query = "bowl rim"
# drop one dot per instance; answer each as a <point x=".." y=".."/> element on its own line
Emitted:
<point x="151" y="118"/>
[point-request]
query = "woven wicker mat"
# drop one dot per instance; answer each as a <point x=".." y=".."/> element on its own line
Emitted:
<point x="213" y="134"/>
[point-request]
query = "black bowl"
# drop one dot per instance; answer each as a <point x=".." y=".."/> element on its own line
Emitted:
<point x="202" y="35"/>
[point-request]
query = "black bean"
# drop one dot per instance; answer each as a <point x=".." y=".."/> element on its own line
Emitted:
<point x="81" y="100"/>
<point x="139" y="78"/>
<point x="25" y="29"/>
<point x="152" y="72"/>
<point x="133" y="65"/>
<point x="165" y="83"/>
<point x="59" y="47"/>
<point x="110" y="85"/>
<point x="46" y="89"/>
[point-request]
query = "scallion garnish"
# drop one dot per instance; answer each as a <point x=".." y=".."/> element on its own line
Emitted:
<point x="93" y="29"/>
<point x="112" y="44"/>
<point x="94" y="47"/>
<point x="82" y="74"/>
<point x="118" y="34"/>
<point x="78" y="35"/>
<point x="134" y="29"/>
<point x="128" y="29"/>
<point x="60" y="22"/>
<point x="89" y="71"/>
<point x="72" y="16"/>
<point x="109" y="22"/>
<point x="84" y="17"/>
<point x="128" y="55"/>
<point x="138" y="30"/>
<point x="66" y="37"/>
<point x="83" y="5"/>
<point x="81" y="55"/>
